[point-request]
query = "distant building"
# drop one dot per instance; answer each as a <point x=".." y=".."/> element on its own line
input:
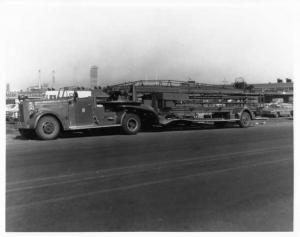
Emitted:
<point x="284" y="90"/>
<point x="7" y="87"/>
<point x="280" y="87"/>
<point x="93" y="76"/>
<point x="39" y="88"/>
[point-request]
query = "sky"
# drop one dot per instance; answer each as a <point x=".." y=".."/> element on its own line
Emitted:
<point x="206" y="43"/>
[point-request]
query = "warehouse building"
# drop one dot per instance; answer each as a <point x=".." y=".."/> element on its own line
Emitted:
<point x="280" y="89"/>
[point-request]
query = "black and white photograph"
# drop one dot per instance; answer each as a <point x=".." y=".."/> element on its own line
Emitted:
<point x="148" y="116"/>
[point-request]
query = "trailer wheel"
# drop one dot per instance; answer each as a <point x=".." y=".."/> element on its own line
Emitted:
<point x="245" y="120"/>
<point x="47" y="128"/>
<point x="131" y="124"/>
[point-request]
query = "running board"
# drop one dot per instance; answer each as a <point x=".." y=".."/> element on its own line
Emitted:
<point x="92" y="126"/>
<point x="260" y="118"/>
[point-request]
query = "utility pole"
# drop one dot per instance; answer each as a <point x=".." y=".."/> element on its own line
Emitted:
<point x="39" y="78"/>
<point x="53" y="78"/>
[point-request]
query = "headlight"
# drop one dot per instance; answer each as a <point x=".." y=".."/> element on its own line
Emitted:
<point x="31" y="108"/>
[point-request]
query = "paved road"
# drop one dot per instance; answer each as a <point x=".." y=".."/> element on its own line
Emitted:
<point x="228" y="179"/>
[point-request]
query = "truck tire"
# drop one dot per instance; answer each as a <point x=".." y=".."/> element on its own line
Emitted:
<point x="47" y="128"/>
<point x="131" y="124"/>
<point x="245" y="120"/>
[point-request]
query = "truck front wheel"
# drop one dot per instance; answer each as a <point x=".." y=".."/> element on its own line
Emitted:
<point x="47" y="128"/>
<point x="131" y="124"/>
<point x="245" y="120"/>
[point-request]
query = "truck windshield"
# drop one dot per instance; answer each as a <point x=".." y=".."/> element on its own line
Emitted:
<point x="63" y="93"/>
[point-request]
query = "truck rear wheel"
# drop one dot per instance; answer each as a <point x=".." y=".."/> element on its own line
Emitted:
<point x="47" y="128"/>
<point x="131" y="124"/>
<point x="245" y="120"/>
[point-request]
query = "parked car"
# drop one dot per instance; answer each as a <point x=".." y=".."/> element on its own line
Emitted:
<point x="12" y="111"/>
<point x="278" y="110"/>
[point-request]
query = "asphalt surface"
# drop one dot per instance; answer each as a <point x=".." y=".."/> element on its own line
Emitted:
<point x="228" y="179"/>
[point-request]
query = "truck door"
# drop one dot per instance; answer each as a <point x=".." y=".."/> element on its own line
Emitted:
<point x="83" y="111"/>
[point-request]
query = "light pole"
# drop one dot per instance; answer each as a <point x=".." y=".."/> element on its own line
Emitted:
<point x="39" y="79"/>
<point x="53" y="78"/>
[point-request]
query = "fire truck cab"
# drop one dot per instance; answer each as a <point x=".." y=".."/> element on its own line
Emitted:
<point x="46" y="118"/>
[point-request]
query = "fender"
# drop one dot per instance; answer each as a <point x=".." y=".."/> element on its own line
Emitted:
<point x="146" y="113"/>
<point x="240" y="111"/>
<point x="38" y="115"/>
<point x="120" y="117"/>
<point x="250" y="112"/>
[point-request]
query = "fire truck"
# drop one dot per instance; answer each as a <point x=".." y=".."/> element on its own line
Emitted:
<point x="129" y="110"/>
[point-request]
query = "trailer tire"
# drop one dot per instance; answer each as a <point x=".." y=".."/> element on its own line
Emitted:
<point x="245" y="120"/>
<point x="47" y="128"/>
<point x="131" y="124"/>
